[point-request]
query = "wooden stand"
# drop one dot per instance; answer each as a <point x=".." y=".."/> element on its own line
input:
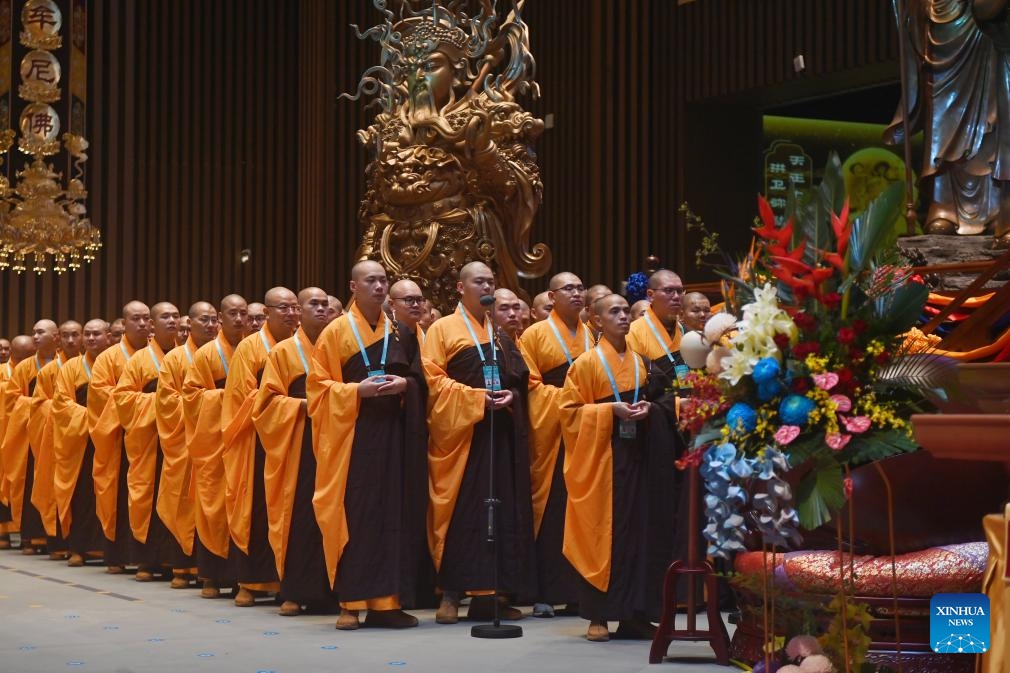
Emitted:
<point x="667" y="632"/>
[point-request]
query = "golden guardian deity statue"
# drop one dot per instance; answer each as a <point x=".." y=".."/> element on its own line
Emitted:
<point x="453" y="177"/>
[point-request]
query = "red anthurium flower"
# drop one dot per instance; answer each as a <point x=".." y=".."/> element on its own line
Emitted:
<point x="842" y="228"/>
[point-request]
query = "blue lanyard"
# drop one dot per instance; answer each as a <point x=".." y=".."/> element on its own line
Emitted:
<point x="301" y="353"/>
<point x="659" y="339"/>
<point x="361" y="346"/>
<point x="157" y="363"/>
<point x="610" y="374"/>
<point x="561" y="342"/>
<point x="220" y="354"/>
<point x="473" y="335"/>
<point x="87" y="367"/>
<point x="266" y="344"/>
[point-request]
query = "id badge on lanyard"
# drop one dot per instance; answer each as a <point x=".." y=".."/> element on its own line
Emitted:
<point x="492" y="380"/>
<point x="627" y="429"/>
<point x="376" y="372"/>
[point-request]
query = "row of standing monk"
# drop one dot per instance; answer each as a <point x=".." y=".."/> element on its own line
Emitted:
<point x="344" y="461"/>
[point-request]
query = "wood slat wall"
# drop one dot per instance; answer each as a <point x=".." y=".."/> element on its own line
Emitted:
<point x="217" y="127"/>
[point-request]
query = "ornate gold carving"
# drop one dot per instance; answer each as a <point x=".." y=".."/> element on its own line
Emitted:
<point x="453" y="178"/>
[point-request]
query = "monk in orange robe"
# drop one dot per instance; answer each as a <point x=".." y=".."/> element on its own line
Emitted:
<point x="465" y="390"/>
<point x="111" y="462"/>
<point x="289" y="474"/>
<point x="22" y="348"/>
<point x="361" y="390"/>
<point x="508" y="313"/>
<point x="134" y="396"/>
<point x="202" y="402"/>
<point x="608" y="424"/>
<point x="408" y="306"/>
<point x="176" y="505"/>
<point x="18" y="459"/>
<point x="549" y="347"/>
<point x="73" y="452"/>
<point x="243" y="455"/>
<point x="40" y="437"/>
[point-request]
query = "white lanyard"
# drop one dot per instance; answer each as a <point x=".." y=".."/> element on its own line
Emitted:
<point x="87" y="367"/>
<point x="266" y="344"/>
<point x="561" y="342"/>
<point x="157" y="363"/>
<point x="473" y="335"/>
<point x="659" y="339"/>
<point x="301" y="354"/>
<point x="610" y="374"/>
<point x="220" y="354"/>
<point x="361" y="345"/>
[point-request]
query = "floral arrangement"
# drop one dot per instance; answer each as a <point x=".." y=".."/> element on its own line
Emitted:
<point x="814" y="373"/>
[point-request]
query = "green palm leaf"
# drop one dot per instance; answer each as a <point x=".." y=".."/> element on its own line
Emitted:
<point x="871" y="228"/>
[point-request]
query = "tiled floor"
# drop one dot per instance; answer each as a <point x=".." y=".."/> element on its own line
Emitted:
<point x="55" y="618"/>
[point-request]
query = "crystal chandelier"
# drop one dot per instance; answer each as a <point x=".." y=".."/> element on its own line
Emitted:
<point x="41" y="221"/>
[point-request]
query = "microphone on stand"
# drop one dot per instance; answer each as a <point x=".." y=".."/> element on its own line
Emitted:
<point x="496" y="629"/>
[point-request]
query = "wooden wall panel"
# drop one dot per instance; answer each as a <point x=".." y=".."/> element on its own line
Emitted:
<point x="217" y="127"/>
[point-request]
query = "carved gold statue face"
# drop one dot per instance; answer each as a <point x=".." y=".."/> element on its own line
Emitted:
<point x="429" y="81"/>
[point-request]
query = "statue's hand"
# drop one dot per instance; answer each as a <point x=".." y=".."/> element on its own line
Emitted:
<point x="987" y="10"/>
<point x="478" y="132"/>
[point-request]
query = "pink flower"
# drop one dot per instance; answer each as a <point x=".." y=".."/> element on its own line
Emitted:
<point x="825" y="381"/>
<point x="786" y="434"/>
<point x="842" y="403"/>
<point x="837" y="440"/>
<point x="856" y="424"/>
<point x="847" y="485"/>
<point x="802" y="646"/>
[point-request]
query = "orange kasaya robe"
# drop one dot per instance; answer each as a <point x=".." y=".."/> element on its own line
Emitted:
<point x="176" y="505"/>
<point x="588" y="427"/>
<point x="545" y="356"/>
<point x="664" y="351"/>
<point x="460" y="458"/>
<point x="40" y="438"/>
<point x="202" y="403"/>
<point x="239" y="434"/>
<point x="107" y="432"/>
<point x="453" y="411"/>
<point x="134" y="398"/>
<point x="280" y="422"/>
<point x="14" y="450"/>
<point x="6" y="525"/>
<point x="70" y="436"/>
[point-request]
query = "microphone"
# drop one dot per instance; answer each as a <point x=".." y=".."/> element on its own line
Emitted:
<point x="487" y="301"/>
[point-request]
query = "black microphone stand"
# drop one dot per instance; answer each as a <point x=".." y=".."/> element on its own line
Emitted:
<point x="496" y="629"/>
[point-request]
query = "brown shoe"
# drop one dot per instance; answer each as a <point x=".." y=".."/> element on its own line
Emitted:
<point x="482" y="609"/>
<point x="635" y="629"/>
<point x="75" y="561"/>
<point x="59" y="556"/>
<point x="27" y="550"/>
<point x="348" y="620"/>
<point x="448" y="611"/>
<point x="114" y="570"/>
<point x="179" y="582"/>
<point x="597" y="632"/>
<point x="210" y="590"/>
<point x="390" y="619"/>
<point x="244" y="598"/>
<point x="290" y="609"/>
<point x="144" y="576"/>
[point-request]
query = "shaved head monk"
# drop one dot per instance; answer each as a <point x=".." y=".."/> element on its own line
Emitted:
<point x="361" y="390"/>
<point x="290" y="465"/>
<point x="508" y="312"/>
<point x="73" y="484"/>
<point x="542" y="306"/>
<point x="336" y="308"/>
<point x="257" y="317"/>
<point x="472" y="374"/>
<point x="243" y="455"/>
<point x="5" y="351"/>
<point x="202" y="403"/>
<point x="22" y="348"/>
